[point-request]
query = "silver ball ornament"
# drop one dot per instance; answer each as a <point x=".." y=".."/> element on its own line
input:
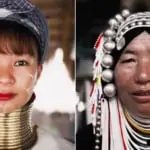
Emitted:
<point x="97" y="147"/>
<point x="109" y="33"/>
<point x="148" y="22"/>
<point x="126" y="28"/>
<point x="110" y="90"/>
<point x="119" y="18"/>
<point x="97" y="141"/>
<point x="113" y="23"/>
<point x="109" y="45"/>
<point x="140" y="23"/>
<point x="107" y="61"/>
<point x="107" y="75"/>
<point x="133" y="24"/>
<point x="125" y="13"/>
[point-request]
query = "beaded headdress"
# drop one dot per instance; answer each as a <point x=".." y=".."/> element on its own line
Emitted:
<point x="109" y="46"/>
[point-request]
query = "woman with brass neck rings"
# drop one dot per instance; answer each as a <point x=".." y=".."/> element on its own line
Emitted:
<point x="24" y="41"/>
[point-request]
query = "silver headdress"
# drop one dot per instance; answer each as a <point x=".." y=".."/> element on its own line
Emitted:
<point x="113" y="39"/>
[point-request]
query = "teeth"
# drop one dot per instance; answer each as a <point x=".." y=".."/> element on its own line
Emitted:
<point x="143" y="94"/>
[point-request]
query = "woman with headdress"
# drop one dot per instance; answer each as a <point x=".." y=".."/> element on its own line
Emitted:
<point x="120" y="94"/>
<point x="23" y="47"/>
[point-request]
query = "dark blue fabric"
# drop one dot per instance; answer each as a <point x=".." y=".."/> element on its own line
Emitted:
<point x="23" y="9"/>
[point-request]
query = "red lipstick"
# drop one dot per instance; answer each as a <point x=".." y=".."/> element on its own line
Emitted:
<point x="6" y="96"/>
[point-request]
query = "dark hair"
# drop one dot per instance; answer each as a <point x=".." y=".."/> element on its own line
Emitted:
<point x="17" y="39"/>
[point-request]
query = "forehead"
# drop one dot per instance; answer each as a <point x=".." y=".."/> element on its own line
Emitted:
<point x="15" y="42"/>
<point x="141" y="41"/>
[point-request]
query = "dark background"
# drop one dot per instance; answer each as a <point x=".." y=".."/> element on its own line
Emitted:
<point x="91" y="19"/>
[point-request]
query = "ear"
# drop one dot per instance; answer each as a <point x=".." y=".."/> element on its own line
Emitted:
<point x="39" y="71"/>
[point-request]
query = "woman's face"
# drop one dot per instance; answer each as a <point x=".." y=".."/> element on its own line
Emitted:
<point x="18" y="76"/>
<point x="132" y="76"/>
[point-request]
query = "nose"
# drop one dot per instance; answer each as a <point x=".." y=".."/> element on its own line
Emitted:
<point x="142" y="74"/>
<point x="6" y="76"/>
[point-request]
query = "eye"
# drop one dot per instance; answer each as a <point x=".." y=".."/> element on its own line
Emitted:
<point x="21" y="63"/>
<point x="130" y="60"/>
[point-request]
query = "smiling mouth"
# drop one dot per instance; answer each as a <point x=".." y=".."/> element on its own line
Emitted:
<point x="142" y="96"/>
<point x="6" y="96"/>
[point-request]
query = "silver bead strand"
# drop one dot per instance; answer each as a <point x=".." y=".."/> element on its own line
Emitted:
<point x="98" y="127"/>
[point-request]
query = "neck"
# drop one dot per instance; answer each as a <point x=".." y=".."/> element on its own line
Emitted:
<point x="141" y="120"/>
<point x="139" y="123"/>
<point x="16" y="131"/>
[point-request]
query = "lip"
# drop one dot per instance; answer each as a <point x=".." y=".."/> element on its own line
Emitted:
<point x="142" y="96"/>
<point x="6" y="96"/>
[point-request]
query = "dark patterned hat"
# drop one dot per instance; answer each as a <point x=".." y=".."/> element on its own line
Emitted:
<point x="27" y="15"/>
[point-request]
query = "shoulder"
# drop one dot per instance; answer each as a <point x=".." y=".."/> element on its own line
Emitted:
<point x="49" y="141"/>
<point x="85" y="138"/>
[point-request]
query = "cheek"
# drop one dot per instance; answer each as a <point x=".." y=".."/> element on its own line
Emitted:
<point x="25" y="78"/>
<point x="123" y="76"/>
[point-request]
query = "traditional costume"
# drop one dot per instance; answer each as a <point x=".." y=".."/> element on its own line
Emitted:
<point x="114" y="128"/>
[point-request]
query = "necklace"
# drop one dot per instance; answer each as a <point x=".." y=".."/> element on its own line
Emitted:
<point x="118" y="129"/>
<point x="138" y="137"/>
<point x="16" y="130"/>
<point x="141" y="127"/>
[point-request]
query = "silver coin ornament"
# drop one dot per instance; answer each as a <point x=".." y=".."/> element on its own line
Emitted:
<point x="107" y="75"/>
<point x="120" y="43"/>
<point x="109" y="90"/>
<point x="107" y="61"/>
